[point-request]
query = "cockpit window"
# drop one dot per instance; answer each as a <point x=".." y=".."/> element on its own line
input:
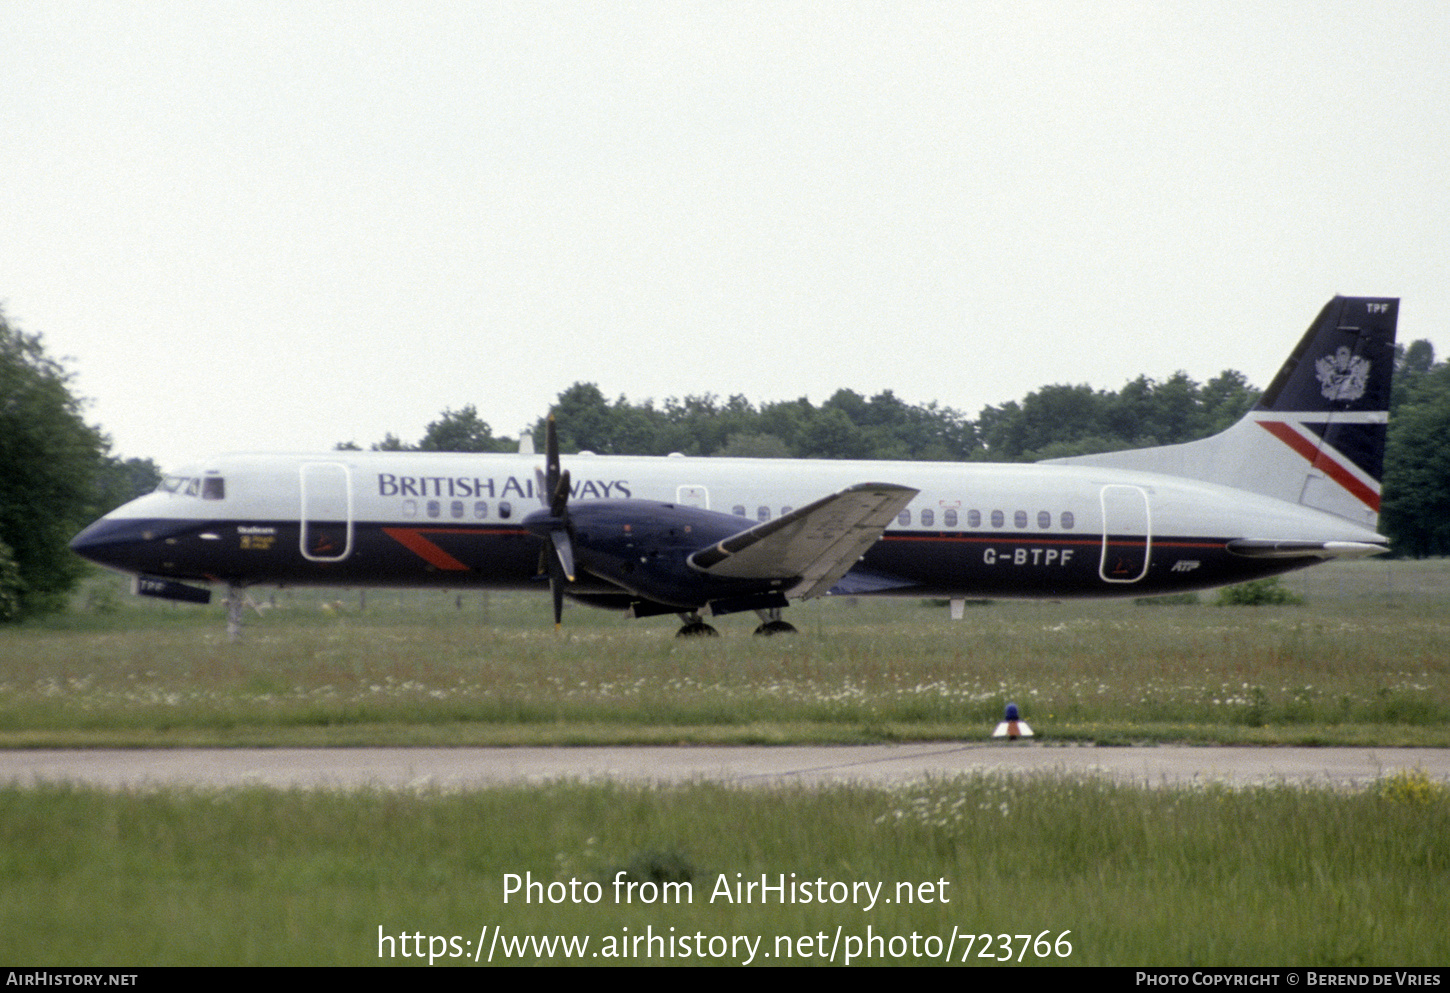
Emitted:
<point x="206" y="487"/>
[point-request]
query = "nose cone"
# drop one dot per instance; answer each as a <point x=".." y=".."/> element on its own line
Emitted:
<point x="101" y="541"/>
<point x="126" y="543"/>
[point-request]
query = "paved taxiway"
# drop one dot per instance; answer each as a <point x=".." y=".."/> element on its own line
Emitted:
<point x="883" y="765"/>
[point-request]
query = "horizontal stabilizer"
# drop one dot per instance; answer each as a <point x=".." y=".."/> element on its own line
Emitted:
<point x="816" y="544"/>
<point x="1256" y="548"/>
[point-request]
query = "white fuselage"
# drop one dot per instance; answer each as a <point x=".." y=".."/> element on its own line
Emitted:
<point x="974" y="529"/>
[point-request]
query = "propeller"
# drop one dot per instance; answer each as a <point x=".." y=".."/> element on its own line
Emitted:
<point x="557" y="557"/>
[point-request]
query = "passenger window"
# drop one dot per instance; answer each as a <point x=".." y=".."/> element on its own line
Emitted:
<point x="785" y="510"/>
<point x="480" y="509"/>
<point x="904" y="518"/>
<point x="998" y="518"/>
<point x="1067" y="520"/>
<point x="949" y="518"/>
<point x="433" y="508"/>
<point x="456" y="509"/>
<point x="738" y="510"/>
<point x="1019" y="519"/>
<point x="505" y="509"/>
<point x="1044" y="520"/>
<point x="928" y="518"/>
<point x="974" y="518"/>
<point x="762" y="513"/>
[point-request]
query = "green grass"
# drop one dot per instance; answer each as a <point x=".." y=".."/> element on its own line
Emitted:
<point x="1207" y="875"/>
<point x="1365" y="661"/>
<point x="1273" y="874"/>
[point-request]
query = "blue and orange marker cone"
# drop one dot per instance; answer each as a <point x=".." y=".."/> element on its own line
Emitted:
<point x="1012" y="726"/>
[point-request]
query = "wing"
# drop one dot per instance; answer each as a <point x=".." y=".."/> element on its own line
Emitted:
<point x="815" y="544"/>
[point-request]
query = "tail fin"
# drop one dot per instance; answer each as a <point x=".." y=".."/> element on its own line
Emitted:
<point x="1317" y="436"/>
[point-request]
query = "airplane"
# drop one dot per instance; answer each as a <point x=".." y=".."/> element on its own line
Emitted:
<point x="1295" y="482"/>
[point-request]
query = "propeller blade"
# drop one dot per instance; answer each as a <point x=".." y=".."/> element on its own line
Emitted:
<point x="559" y="504"/>
<point x="551" y="454"/>
<point x="556" y="587"/>
<point x="554" y="495"/>
<point x="564" y="551"/>
<point x="553" y="482"/>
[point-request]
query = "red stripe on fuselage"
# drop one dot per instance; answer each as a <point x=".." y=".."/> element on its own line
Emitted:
<point x="413" y="540"/>
<point x="1009" y="539"/>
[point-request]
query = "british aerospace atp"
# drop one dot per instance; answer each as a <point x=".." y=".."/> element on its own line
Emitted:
<point x="1295" y="482"/>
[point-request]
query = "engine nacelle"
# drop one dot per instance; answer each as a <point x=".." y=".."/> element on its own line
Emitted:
<point x="643" y="546"/>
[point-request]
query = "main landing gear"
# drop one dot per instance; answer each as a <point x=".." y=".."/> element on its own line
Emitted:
<point x="694" y="627"/>
<point x="770" y="623"/>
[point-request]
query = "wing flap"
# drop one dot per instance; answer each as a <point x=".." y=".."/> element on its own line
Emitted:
<point x="815" y="544"/>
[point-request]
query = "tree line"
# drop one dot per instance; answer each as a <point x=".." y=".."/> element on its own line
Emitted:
<point x="1051" y="422"/>
<point x="1415" y="510"/>
<point x="57" y="472"/>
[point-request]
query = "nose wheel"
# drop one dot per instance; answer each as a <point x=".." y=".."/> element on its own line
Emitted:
<point x="238" y="600"/>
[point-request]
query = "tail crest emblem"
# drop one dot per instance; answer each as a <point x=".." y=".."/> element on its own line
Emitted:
<point x="1343" y="375"/>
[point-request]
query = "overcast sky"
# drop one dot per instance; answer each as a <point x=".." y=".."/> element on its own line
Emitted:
<point x="277" y="226"/>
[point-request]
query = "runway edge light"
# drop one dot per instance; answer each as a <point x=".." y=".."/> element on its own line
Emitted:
<point x="1012" y="726"/>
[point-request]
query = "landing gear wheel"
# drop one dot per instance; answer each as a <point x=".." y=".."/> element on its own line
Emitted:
<point x="694" y="627"/>
<point x="770" y="623"/>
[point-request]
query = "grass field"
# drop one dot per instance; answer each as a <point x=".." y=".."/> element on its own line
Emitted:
<point x="1075" y="871"/>
<point x="1103" y="874"/>
<point x="1366" y="660"/>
